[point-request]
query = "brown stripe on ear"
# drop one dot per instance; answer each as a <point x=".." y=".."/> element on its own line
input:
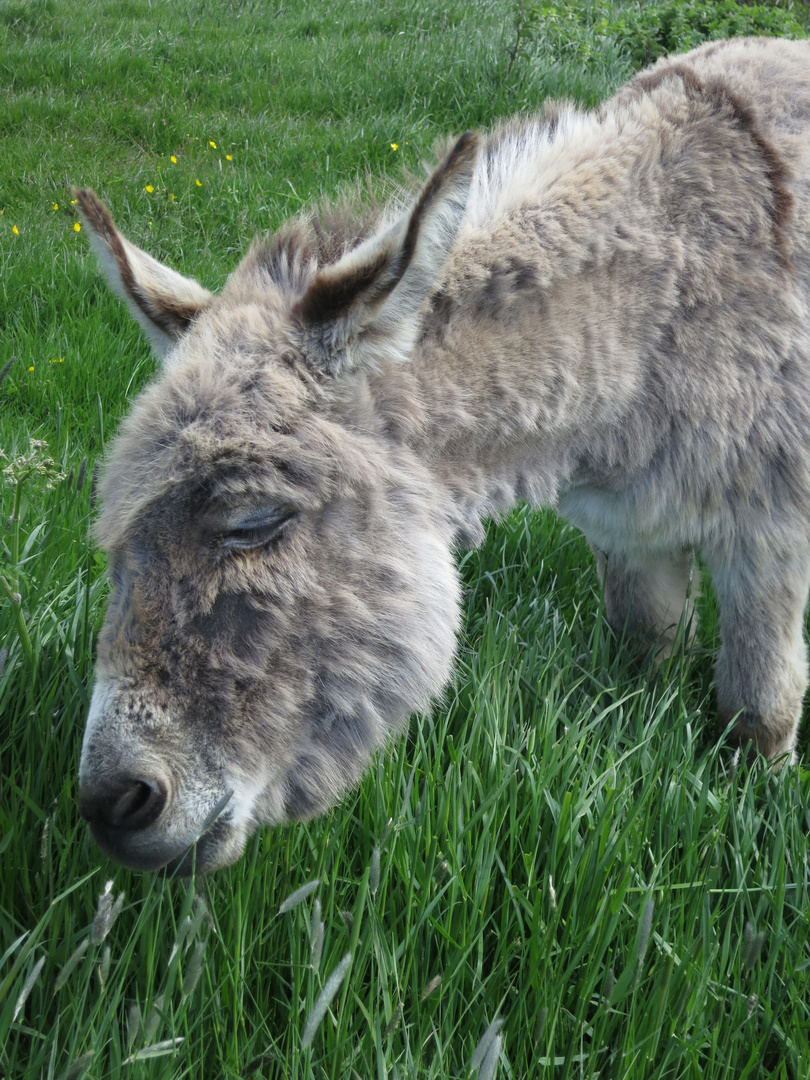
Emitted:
<point x="171" y="316"/>
<point x="465" y="149"/>
<point x="168" y="314"/>
<point x="99" y="220"/>
<point x="331" y="293"/>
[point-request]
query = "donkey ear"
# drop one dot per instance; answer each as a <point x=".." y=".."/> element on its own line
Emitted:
<point x="163" y="302"/>
<point x="362" y="307"/>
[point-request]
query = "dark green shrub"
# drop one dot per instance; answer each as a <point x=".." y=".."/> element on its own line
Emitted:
<point x="591" y="33"/>
<point x="654" y="30"/>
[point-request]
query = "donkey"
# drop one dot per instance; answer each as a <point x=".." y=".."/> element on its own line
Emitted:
<point x="607" y="313"/>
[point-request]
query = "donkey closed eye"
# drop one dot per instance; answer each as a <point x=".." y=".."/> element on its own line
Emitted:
<point x="255" y="532"/>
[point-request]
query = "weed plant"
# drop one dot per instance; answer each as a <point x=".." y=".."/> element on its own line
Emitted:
<point x="562" y="872"/>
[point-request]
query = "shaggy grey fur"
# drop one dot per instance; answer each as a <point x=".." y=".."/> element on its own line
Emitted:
<point x="606" y="313"/>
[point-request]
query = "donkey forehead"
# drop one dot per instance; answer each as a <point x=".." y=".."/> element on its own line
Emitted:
<point x="217" y="430"/>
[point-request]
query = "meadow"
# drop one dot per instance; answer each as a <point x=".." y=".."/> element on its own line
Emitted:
<point x="564" y="871"/>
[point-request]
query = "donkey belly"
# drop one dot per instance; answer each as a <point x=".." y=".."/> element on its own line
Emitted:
<point x="613" y="522"/>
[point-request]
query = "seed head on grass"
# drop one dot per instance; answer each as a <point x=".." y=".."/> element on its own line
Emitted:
<point x="182" y="933"/>
<point x="645" y="931"/>
<point x="104" y="967"/>
<point x="82" y="474"/>
<point x="315" y="918"/>
<point x="295" y="898"/>
<point x="490" y="1062"/>
<point x="374" y="872"/>
<point x="27" y="988"/>
<point x="394" y="1022"/>
<point x="317" y="946"/>
<point x="155" y="1050"/>
<point x="106" y="914"/>
<point x="540" y="1025"/>
<point x="151" y="1025"/>
<point x="77" y="1067"/>
<point x="199" y="913"/>
<point x="552" y="893"/>
<point x="194" y="970"/>
<point x="317" y="928"/>
<point x="487" y="1039"/>
<point x="70" y="964"/>
<point x="752" y="945"/>
<point x="6" y="368"/>
<point x="325" y="997"/>
<point x="133" y="1023"/>
<point x="610" y="985"/>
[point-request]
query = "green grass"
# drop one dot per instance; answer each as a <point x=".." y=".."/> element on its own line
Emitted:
<point x="565" y="846"/>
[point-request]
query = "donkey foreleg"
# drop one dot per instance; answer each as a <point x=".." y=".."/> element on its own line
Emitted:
<point x="761" y="671"/>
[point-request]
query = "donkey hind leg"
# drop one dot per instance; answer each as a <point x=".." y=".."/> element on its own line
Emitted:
<point x="651" y="596"/>
<point x="761" y="670"/>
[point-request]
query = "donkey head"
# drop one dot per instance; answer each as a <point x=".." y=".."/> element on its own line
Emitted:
<point x="283" y="590"/>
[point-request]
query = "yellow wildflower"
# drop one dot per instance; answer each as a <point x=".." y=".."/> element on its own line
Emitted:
<point x="73" y="202"/>
<point x="58" y="360"/>
<point x="15" y="230"/>
<point x="56" y="206"/>
<point x="173" y="159"/>
<point x="171" y="196"/>
<point x="77" y="227"/>
<point x="212" y="144"/>
<point x="394" y="146"/>
<point x="149" y="188"/>
<point x="198" y="183"/>
<point x="229" y="157"/>
<point x="31" y="368"/>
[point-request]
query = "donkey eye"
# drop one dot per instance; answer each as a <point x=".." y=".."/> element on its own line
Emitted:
<point x="255" y="533"/>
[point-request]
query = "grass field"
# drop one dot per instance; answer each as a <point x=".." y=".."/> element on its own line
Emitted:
<point x="562" y="872"/>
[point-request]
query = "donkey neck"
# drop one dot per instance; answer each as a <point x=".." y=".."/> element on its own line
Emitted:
<point x="524" y="373"/>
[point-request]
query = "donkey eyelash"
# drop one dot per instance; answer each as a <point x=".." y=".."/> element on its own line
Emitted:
<point x="254" y="534"/>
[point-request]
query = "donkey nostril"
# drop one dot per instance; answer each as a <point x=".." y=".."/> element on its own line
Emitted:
<point x="128" y="804"/>
<point x="135" y="805"/>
